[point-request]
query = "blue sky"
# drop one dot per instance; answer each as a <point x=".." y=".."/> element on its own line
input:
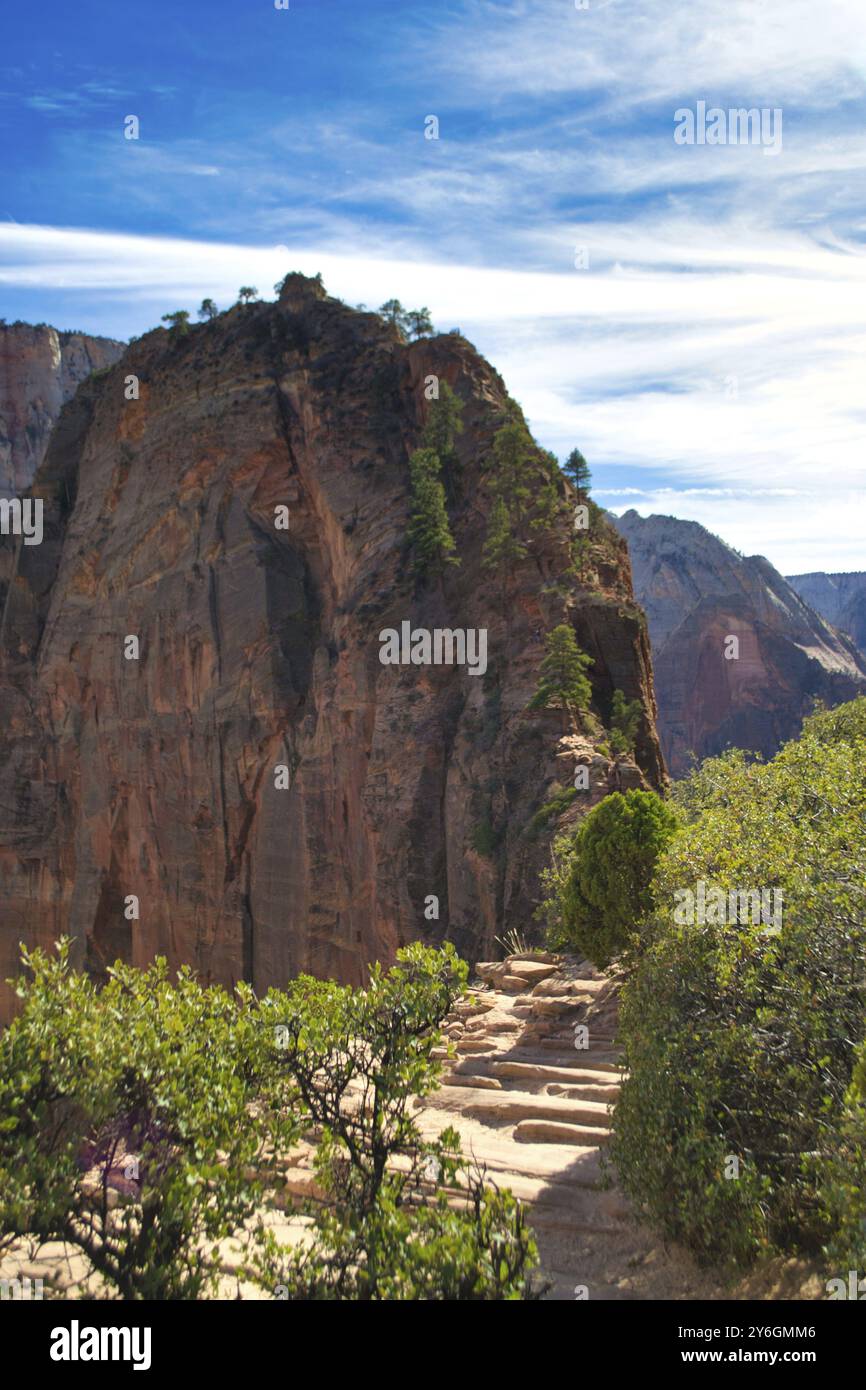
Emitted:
<point x="693" y="316"/>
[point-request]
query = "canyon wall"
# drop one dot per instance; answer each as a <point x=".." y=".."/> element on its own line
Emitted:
<point x="259" y="649"/>
<point x="698" y="592"/>
<point x="840" y="598"/>
<point x="40" y="370"/>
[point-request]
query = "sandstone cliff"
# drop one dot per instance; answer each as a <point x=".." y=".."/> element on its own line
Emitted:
<point x="697" y="592"/>
<point x="259" y="648"/>
<point x="840" y="598"/>
<point x="40" y="369"/>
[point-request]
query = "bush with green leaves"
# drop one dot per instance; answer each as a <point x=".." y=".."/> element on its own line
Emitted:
<point x="741" y="1035"/>
<point x="356" y="1059"/>
<point x="124" y="1121"/>
<point x="146" y="1122"/>
<point x="600" y="884"/>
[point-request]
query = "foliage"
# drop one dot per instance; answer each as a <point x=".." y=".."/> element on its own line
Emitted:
<point x="502" y="549"/>
<point x="412" y="323"/>
<point x="552" y="809"/>
<point x="604" y="888"/>
<point x="356" y="1059"/>
<point x="485" y="839"/>
<point x="625" y="718"/>
<point x="444" y="423"/>
<point x="522" y="480"/>
<point x="247" y="293"/>
<point x="513" y="942"/>
<point x="563" y="682"/>
<point x="179" y="321"/>
<point x="741" y="1038"/>
<point x="577" y="469"/>
<point x="208" y="309"/>
<point x="147" y="1121"/>
<point x="429" y="529"/>
<point x="137" y="1092"/>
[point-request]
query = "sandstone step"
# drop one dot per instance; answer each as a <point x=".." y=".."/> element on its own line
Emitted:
<point x="606" y="1095"/>
<point x="514" y="1106"/>
<point x="538" y="1071"/>
<point x="480" y="1082"/>
<point x="539" y="1131"/>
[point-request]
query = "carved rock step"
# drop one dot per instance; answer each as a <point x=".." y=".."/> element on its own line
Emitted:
<point x="559" y="1132"/>
<point x="541" y="1072"/>
<point x="513" y="1106"/>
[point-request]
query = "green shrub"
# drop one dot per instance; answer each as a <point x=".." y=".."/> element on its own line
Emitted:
<point x="740" y="1035"/>
<point x="143" y="1088"/>
<point x="145" y="1122"/>
<point x="551" y="810"/>
<point x="356" y="1059"/>
<point x="601" y="887"/>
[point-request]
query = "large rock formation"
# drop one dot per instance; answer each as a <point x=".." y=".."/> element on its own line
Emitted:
<point x="40" y="370"/>
<point x="697" y="593"/>
<point x="259" y="649"/>
<point x="840" y="598"/>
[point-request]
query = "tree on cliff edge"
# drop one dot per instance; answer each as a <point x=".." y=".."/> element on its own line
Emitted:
<point x="563" y="683"/>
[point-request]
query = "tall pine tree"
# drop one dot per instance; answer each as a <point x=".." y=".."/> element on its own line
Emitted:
<point x="429" y="530"/>
<point x="563" y="683"/>
<point x="577" y="469"/>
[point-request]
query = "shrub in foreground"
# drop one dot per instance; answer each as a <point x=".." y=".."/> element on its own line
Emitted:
<point x="740" y="1027"/>
<point x="145" y="1122"/>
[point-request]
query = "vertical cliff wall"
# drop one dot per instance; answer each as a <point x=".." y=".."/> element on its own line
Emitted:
<point x="40" y="369"/>
<point x="260" y="648"/>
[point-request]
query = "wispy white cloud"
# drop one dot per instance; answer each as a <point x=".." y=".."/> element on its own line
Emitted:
<point x="744" y="389"/>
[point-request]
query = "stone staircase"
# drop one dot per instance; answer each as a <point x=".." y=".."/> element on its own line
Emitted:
<point x="530" y="1092"/>
<point x="532" y="1108"/>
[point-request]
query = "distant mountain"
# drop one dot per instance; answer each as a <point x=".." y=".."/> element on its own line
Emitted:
<point x="697" y="593"/>
<point x="40" y="369"/>
<point x="840" y="598"/>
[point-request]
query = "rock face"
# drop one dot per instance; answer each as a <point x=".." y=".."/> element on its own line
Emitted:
<point x="156" y="779"/>
<point x="698" y="592"/>
<point x="40" y="369"/>
<point x="840" y="598"/>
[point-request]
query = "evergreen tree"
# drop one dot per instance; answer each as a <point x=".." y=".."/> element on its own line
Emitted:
<point x="429" y="530"/>
<point x="179" y="322"/>
<point x="502" y="549"/>
<point x="246" y="293"/>
<point x="208" y="310"/>
<point x="444" y="423"/>
<point x="577" y="469"/>
<point x="522" y="480"/>
<point x="393" y="312"/>
<point x="418" y="323"/>
<point x="625" y="717"/>
<point x="563" y="682"/>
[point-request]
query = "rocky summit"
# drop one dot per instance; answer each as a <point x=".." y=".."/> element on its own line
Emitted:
<point x="203" y="754"/>
<point x="699" y="593"/>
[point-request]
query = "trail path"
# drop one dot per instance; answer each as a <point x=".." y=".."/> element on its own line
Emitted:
<point x="534" y="1109"/>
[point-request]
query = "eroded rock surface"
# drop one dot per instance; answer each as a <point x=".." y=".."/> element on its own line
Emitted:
<point x="40" y="370"/>
<point x="259" y="649"/>
<point x="697" y="593"/>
